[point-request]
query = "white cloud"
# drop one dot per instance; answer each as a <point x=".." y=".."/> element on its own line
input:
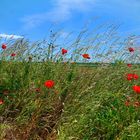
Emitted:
<point x="64" y="9"/>
<point x="61" y="10"/>
<point x="10" y="36"/>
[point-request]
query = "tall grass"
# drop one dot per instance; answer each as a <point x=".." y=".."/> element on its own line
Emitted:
<point x="86" y="103"/>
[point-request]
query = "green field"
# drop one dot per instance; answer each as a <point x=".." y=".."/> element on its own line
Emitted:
<point x="87" y="101"/>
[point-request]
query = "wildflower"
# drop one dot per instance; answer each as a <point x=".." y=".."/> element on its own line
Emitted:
<point x="49" y="83"/>
<point x="132" y="76"/>
<point x="129" y="65"/>
<point x="135" y="76"/>
<point x="136" y="89"/>
<point x="136" y="104"/>
<point x="129" y="76"/>
<point x="64" y="51"/>
<point x="86" y="56"/>
<point x="4" y="46"/>
<point x="1" y="101"/>
<point x="13" y="54"/>
<point x="127" y="103"/>
<point x="131" y="49"/>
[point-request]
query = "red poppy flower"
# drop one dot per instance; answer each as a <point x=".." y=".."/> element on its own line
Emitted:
<point x="86" y="56"/>
<point x="131" y="49"/>
<point x="4" y="46"/>
<point x="127" y="103"/>
<point x="132" y="76"/>
<point x="136" y="104"/>
<point x="49" y="83"/>
<point x="135" y="76"/>
<point x="64" y="51"/>
<point x="136" y="89"/>
<point x="13" y="54"/>
<point x="129" y="76"/>
<point x="1" y="101"/>
<point x="129" y="65"/>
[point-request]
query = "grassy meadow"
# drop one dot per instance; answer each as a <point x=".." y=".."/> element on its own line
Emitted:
<point x="87" y="100"/>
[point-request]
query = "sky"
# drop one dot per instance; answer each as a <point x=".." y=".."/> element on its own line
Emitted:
<point x="33" y="19"/>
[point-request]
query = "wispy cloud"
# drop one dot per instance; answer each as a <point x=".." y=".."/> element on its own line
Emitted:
<point x="10" y="36"/>
<point x="62" y="10"/>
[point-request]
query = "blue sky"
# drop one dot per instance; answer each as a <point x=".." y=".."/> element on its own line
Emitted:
<point x="33" y="18"/>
